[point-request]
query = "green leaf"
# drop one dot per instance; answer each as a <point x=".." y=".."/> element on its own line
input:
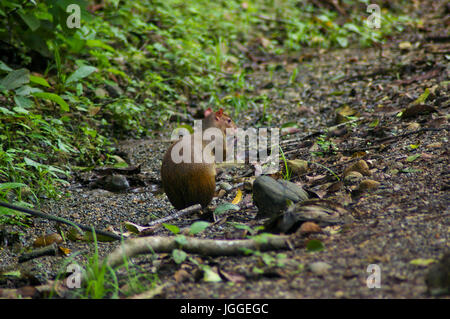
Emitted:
<point x="181" y="240"/>
<point x="314" y="245"/>
<point x="179" y="256"/>
<point x="225" y="207"/>
<point x="39" y="80"/>
<point x="351" y="27"/>
<point x="289" y="124"/>
<point x="174" y="229"/>
<point x="53" y="97"/>
<point x="4" y="67"/>
<point x="374" y="123"/>
<point x="31" y="21"/>
<point x="82" y="72"/>
<point x="412" y="157"/>
<point x="20" y="110"/>
<point x="6" y="111"/>
<point x="343" y="41"/>
<point x="99" y="44"/>
<point x="198" y="227"/>
<point x="32" y="163"/>
<point x="210" y="275"/>
<point x="15" y="79"/>
<point x="9" y="186"/>
<point x="27" y="90"/>
<point x="422" y="98"/>
<point x="22" y="102"/>
<point x="422" y="261"/>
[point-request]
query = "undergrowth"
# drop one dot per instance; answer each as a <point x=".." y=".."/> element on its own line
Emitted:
<point x="67" y="93"/>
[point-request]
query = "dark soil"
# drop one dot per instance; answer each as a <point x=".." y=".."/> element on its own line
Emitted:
<point x="406" y="218"/>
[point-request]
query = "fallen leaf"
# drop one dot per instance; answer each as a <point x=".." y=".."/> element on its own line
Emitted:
<point x="238" y="197"/>
<point x="422" y="261"/>
<point x="48" y="240"/>
<point x="309" y="228"/>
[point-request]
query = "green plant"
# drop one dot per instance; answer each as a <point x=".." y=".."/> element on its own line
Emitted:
<point x="67" y="93"/>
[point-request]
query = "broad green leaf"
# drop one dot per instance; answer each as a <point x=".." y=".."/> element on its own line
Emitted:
<point x="53" y="97"/>
<point x="225" y="207"/>
<point x="4" y="67"/>
<point x="99" y="44"/>
<point x="15" y="79"/>
<point x="22" y="102"/>
<point x="9" y="186"/>
<point x="39" y="80"/>
<point x="351" y="27"/>
<point x="82" y="72"/>
<point x="174" y="229"/>
<point x="289" y="124"/>
<point x="422" y="98"/>
<point x="179" y="256"/>
<point x="31" y="21"/>
<point x="198" y="227"/>
<point x="374" y="123"/>
<point x="314" y="245"/>
<point x="412" y="157"/>
<point x="32" y="163"/>
<point x="27" y="90"/>
<point x="20" y="110"/>
<point x="343" y="41"/>
<point x="181" y="240"/>
<point x="210" y="275"/>
<point x="6" y="111"/>
<point x="422" y="261"/>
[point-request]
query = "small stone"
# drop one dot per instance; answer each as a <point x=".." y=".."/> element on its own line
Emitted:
<point x="360" y="166"/>
<point x="352" y="177"/>
<point x="406" y="45"/>
<point x="271" y="196"/>
<point x="434" y="145"/>
<point x="309" y="228"/>
<point x="414" y="126"/>
<point x="319" y="267"/>
<point x="225" y="186"/>
<point x="100" y="92"/>
<point x="221" y="193"/>
<point x="297" y="166"/>
<point x="368" y="184"/>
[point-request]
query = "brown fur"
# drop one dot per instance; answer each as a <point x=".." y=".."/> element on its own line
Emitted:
<point x="188" y="184"/>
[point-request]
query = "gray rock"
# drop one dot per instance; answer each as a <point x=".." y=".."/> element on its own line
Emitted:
<point x="320" y="211"/>
<point x="319" y="267"/>
<point x="438" y="277"/>
<point x="271" y="196"/>
<point x="113" y="183"/>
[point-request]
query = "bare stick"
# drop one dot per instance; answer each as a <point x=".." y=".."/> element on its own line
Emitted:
<point x="59" y="219"/>
<point x="207" y="247"/>
<point x="180" y="213"/>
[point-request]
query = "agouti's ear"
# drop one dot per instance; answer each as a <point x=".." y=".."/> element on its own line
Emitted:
<point x="219" y="113"/>
<point x="207" y="112"/>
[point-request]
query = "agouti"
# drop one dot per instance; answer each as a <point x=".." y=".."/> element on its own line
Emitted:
<point x="187" y="184"/>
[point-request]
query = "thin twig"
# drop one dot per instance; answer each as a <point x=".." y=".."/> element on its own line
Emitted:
<point x="59" y="219"/>
<point x="180" y="213"/>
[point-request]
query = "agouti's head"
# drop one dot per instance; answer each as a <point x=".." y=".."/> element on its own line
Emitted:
<point x="220" y="120"/>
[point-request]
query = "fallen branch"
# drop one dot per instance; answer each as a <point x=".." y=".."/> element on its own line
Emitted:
<point x="60" y="220"/>
<point x="51" y="250"/>
<point x="180" y="213"/>
<point x="209" y="247"/>
<point x="391" y="139"/>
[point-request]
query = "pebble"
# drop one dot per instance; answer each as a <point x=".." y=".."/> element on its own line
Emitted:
<point x="319" y="267"/>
